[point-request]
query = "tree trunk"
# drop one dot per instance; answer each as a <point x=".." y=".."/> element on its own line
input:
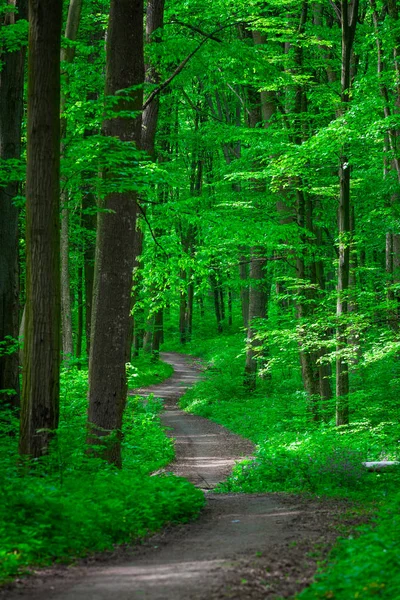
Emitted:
<point x="183" y="310"/>
<point x="11" y="95"/>
<point x="89" y="223"/>
<point x="66" y="311"/>
<point x="201" y="305"/>
<point x="189" y="307"/>
<point x="79" y="335"/>
<point x="67" y="55"/>
<point x="158" y="333"/>
<point x="257" y="310"/>
<point x="40" y="394"/>
<point x="230" y="307"/>
<point x="154" y="22"/>
<point x="221" y="300"/>
<point x="111" y="321"/>
<point x="217" y="305"/>
<point x="349" y="15"/>
<point x="138" y="319"/>
<point x="308" y="358"/>
<point x="244" y="289"/>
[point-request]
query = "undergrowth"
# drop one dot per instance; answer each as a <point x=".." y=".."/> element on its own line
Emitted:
<point x="71" y="505"/>
<point x="146" y="371"/>
<point x="294" y="455"/>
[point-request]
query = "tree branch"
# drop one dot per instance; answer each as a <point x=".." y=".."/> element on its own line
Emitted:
<point x="180" y="67"/>
<point x="196" y="29"/>
<point x="151" y="230"/>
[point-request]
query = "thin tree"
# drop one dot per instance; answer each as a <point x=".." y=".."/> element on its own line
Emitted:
<point x="67" y="56"/>
<point x="348" y="20"/>
<point x="11" y="108"/>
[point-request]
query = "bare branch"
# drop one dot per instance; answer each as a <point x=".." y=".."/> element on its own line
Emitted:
<point x="183" y="64"/>
<point x="151" y="230"/>
<point x="196" y="29"/>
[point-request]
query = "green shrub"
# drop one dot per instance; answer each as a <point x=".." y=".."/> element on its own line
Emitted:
<point x="366" y="566"/>
<point x="71" y="505"/>
<point x="298" y="456"/>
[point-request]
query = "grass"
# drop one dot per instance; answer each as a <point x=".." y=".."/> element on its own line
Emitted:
<point x="146" y="371"/>
<point x="71" y="505"/>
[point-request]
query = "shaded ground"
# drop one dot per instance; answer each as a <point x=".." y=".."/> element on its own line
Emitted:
<point x="243" y="546"/>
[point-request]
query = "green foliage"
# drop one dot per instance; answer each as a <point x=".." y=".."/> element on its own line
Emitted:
<point x="69" y="505"/>
<point x="367" y="566"/>
<point x="146" y="371"/>
<point x="295" y="455"/>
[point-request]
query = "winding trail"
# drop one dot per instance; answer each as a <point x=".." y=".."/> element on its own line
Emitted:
<point x="205" y="451"/>
<point x="242" y="546"/>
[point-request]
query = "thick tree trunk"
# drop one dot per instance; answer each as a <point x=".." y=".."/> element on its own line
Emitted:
<point x="257" y="310"/>
<point x="40" y="395"/>
<point x="111" y="321"/>
<point x="11" y="92"/>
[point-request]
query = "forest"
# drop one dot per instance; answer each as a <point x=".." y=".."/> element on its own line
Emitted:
<point x="218" y="179"/>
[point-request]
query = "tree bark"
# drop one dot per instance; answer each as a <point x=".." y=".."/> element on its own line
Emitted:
<point x="244" y="289"/>
<point x="40" y="394"/>
<point x="79" y="333"/>
<point x="189" y="307"/>
<point x="111" y="321"/>
<point x="66" y="311"/>
<point x="183" y="309"/>
<point x="349" y="16"/>
<point x="11" y="108"/>
<point x="67" y="55"/>
<point x="157" y="333"/>
<point x="217" y="305"/>
<point x="257" y="310"/>
<point x="89" y="223"/>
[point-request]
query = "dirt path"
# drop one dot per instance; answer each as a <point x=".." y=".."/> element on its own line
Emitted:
<point x="205" y="451"/>
<point x="243" y="546"/>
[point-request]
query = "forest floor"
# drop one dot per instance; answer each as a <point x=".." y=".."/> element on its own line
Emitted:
<point x="243" y="546"/>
